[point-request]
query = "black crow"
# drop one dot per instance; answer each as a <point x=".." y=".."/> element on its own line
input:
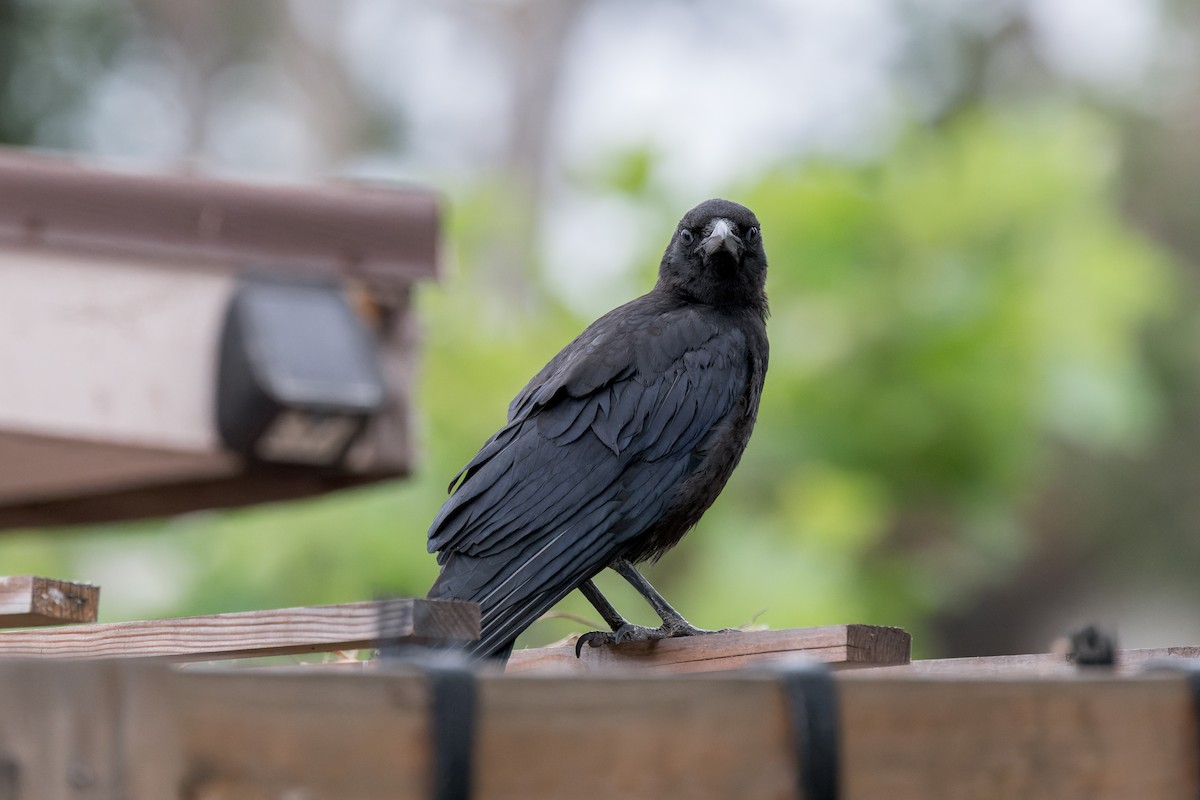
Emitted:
<point x="618" y="446"/>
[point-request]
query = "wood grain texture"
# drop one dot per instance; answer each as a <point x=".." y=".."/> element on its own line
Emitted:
<point x="57" y="731"/>
<point x="129" y="729"/>
<point x="1029" y="738"/>
<point x="844" y="646"/>
<point x="29" y="600"/>
<point x="1128" y="662"/>
<point x="255" y="633"/>
<point x="203" y="736"/>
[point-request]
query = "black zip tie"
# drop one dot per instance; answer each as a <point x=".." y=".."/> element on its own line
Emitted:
<point x="1190" y="669"/>
<point x="1090" y="647"/>
<point x="811" y="696"/>
<point x="452" y="707"/>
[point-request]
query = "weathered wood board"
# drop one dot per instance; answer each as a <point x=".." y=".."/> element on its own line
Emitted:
<point x="842" y="646"/>
<point x="138" y="730"/>
<point x="29" y="600"/>
<point x="255" y="633"/>
<point x="1128" y="662"/>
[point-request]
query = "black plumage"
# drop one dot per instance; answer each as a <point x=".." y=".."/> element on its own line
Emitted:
<point x="615" y="449"/>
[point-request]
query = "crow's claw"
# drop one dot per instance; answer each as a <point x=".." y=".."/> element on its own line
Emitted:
<point x="638" y="633"/>
<point x="593" y="639"/>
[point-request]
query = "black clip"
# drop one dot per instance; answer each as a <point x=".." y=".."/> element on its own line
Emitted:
<point x="452" y="705"/>
<point x="1090" y="647"/>
<point x="811" y="695"/>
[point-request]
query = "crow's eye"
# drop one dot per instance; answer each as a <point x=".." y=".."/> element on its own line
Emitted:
<point x="752" y="234"/>
<point x="685" y="236"/>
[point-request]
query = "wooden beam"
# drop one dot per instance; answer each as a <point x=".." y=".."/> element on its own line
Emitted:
<point x="387" y="235"/>
<point x="1127" y="662"/>
<point x="845" y="646"/>
<point x="255" y="633"/>
<point x="27" y="601"/>
<point x="204" y="481"/>
<point x="142" y="730"/>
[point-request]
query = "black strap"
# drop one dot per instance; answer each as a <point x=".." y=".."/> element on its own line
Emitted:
<point x="1090" y="647"/>
<point x="811" y="696"/>
<point x="452" y="705"/>
<point x="452" y="701"/>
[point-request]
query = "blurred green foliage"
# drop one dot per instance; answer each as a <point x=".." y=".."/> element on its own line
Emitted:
<point x="50" y="55"/>
<point x="941" y="318"/>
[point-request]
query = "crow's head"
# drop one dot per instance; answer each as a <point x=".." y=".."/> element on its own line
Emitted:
<point x="716" y="257"/>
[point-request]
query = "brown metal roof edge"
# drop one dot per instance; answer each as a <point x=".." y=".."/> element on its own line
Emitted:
<point x="268" y="484"/>
<point x="382" y="234"/>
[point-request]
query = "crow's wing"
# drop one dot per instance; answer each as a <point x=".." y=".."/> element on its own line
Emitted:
<point x="596" y="446"/>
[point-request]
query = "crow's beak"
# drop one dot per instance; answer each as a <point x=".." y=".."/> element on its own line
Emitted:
<point x="721" y="238"/>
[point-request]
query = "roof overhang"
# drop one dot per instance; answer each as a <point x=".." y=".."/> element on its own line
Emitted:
<point x="113" y="289"/>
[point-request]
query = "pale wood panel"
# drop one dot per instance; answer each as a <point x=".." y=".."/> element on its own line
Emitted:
<point x="123" y="354"/>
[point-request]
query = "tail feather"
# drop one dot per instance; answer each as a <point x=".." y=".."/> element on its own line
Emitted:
<point x="506" y="609"/>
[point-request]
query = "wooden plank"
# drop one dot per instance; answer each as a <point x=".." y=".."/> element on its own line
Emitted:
<point x="28" y="600"/>
<point x="56" y="732"/>
<point x="1128" y="662"/>
<point x="700" y="738"/>
<point x="255" y="633"/>
<point x="843" y="646"/>
<point x="603" y="737"/>
<point x="1036" y="739"/>
<point x="306" y="736"/>
<point x="256" y="734"/>
<point x="202" y="736"/>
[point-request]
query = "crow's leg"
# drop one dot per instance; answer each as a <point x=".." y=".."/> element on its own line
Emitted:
<point x="673" y="622"/>
<point x="610" y="614"/>
<point x="607" y="611"/>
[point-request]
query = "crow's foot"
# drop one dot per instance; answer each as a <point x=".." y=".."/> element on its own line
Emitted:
<point x="638" y="633"/>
